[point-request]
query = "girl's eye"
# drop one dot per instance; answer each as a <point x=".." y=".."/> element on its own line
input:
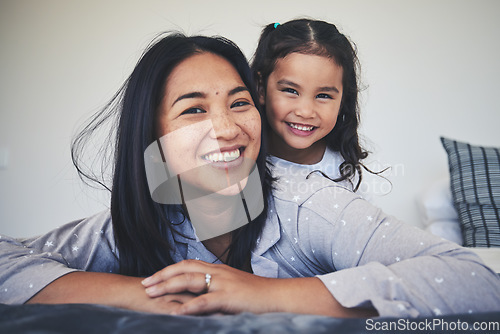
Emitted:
<point x="324" y="96"/>
<point x="193" y="111"/>
<point x="240" y="104"/>
<point x="290" y="90"/>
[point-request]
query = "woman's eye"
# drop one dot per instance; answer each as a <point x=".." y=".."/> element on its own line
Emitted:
<point x="239" y="104"/>
<point x="290" y="90"/>
<point x="193" y="111"/>
<point x="324" y="96"/>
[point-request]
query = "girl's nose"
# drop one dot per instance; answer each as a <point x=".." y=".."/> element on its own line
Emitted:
<point x="305" y="108"/>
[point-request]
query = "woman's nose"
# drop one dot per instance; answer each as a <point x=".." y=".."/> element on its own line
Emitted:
<point x="224" y="126"/>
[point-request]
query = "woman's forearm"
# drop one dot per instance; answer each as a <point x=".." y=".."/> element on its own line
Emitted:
<point x="90" y="287"/>
<point x="106" y="289"/>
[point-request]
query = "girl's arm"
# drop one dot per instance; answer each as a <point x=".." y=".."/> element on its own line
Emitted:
<point x="398" y="268"/>
<point x="368" y="259"/>
<point x="233" y="291"/>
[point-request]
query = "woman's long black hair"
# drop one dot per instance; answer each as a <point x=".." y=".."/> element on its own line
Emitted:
<point x="141" y="225"/>
<point x="320" y="38"/>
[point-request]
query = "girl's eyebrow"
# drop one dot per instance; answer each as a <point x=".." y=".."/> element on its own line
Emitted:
<point x="285" y="82"/>
<point x="329" y="89"/>
<point x="194" y="95"/>
<point x="293" y="84"/>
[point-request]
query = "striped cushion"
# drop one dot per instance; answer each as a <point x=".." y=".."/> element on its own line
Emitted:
<point x="475" y="186"/>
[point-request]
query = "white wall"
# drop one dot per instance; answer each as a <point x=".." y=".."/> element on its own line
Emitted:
<point x="431" y="68"/>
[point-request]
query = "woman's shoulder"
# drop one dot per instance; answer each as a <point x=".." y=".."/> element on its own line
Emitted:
<point x="98" y="221"/>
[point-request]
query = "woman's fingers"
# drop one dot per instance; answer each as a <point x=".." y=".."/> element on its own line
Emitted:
<point x="192" y="282"/>
<point x="166" y="304"/>
<point x="180" y="298"/>
<point x="204" y="304"/>
<point x="186" y="266"/>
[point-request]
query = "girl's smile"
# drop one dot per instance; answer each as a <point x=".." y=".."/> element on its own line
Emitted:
<point x="301" y="129"/>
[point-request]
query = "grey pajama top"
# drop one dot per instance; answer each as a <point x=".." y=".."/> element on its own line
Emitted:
<point x="315" y="227"/>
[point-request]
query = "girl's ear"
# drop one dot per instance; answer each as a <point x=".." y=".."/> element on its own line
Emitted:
<point x="261" y="91"/>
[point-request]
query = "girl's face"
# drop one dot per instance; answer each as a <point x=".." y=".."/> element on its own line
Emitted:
<point x="209" y="125"/>
<point x="302" y="101"/>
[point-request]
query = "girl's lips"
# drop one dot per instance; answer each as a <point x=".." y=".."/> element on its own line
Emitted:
<point x="302" y="130"/>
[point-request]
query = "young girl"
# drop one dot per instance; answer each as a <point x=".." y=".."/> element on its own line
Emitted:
<point x="324" y="251"/>
<point x="307" y="78"/>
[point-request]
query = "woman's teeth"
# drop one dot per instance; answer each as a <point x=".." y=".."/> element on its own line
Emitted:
<point x="223" y="157"/>
<point x="301" y="127"/>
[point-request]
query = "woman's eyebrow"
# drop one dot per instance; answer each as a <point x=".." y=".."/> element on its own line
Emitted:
<point x="191" y="95"/>
<point x="194" y="95"/>
<point x="237" y="90"/>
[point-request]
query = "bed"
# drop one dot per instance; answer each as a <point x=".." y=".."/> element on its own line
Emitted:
<point x="86" y="319"/>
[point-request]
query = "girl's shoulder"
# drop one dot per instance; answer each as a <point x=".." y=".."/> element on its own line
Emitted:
<point x="304" y="188"/>
<point x="329" y="164"/>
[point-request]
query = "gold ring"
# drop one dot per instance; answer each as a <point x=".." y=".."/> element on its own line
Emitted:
<point x="208" y="280"/>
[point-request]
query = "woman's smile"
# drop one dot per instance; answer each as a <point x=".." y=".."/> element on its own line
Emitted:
<point x="225" y="158"/>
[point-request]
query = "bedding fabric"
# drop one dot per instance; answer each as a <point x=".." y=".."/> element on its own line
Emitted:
<point x="475" y="186"/>
<point x="95" y="319"/>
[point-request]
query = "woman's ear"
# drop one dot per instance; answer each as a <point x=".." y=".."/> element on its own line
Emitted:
<point x="261" y="90"/>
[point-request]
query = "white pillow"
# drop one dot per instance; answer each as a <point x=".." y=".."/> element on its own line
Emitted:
<point x="448" y="229"/>
<point x="436" y="203"/>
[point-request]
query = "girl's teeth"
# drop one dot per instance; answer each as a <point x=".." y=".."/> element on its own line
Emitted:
<point x="226" y="156"/>
<point x="301" y="127"/>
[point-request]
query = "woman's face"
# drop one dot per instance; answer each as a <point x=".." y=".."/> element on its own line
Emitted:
<point x="209" y="126"/>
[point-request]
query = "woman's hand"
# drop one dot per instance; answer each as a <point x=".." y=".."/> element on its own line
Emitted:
<point x="230" y="291"/>
<point x="233" y="291"/>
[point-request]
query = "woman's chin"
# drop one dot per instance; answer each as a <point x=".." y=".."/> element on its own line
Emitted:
<point x="234" y="189"/>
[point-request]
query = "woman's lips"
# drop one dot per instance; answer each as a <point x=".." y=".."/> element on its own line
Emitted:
<point x="226" y="156"/>
<point x="225" y="159"/>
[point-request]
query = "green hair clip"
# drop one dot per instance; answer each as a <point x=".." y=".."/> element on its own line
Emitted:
<point x="276" y="25"/>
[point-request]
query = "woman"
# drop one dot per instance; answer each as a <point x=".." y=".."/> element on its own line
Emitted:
<point x="165" y="95"/>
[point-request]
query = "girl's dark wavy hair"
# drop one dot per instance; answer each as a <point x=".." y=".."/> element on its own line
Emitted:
<point x="141" y="226"/>
<point x="320" y="38"/>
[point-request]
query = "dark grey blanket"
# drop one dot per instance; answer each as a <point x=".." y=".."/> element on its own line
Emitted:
<point x="86" y="319"/>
